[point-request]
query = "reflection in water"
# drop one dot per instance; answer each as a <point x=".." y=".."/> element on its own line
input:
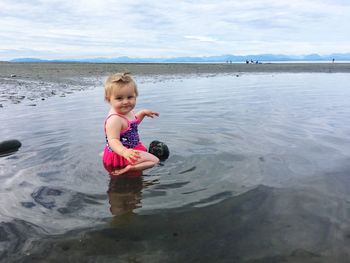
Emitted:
<point x="124" y="193"/>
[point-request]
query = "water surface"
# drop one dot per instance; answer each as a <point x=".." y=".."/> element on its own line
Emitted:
<point x="258" y="172"/>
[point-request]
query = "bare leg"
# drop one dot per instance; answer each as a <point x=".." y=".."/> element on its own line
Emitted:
<point x="145" y="161"/>
<point x="117" y="172"/>
<point x="145" y="156"/>
<point x="142" y="166"/>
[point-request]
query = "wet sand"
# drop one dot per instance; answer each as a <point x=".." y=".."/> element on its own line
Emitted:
<point x="32" y="82"/>
<point x="48" y="70"/>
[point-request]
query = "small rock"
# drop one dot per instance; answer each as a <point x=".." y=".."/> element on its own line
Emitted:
<point x="9" y="146"/>
<point x="13" y="75"/>
<point x="28" y="204"/>
<point x="159" y="149"/>
<point x="262" y="159"/>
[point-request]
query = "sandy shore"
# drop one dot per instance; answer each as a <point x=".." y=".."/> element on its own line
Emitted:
<point x="43" y="70"/>
<point x="32" y="82"/>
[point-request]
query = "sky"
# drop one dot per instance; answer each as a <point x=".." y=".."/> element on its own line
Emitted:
<point x="70" y="29"/>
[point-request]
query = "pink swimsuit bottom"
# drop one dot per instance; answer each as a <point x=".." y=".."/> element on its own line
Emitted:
<point x="129" y="138"/>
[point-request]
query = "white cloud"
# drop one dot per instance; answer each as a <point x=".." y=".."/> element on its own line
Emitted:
<point x="137" y="28"/>
<point x="201" y="38"/>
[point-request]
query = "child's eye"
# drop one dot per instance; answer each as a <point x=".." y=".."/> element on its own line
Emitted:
<point x="118" y="98"/>
<point x="131" y="97"/>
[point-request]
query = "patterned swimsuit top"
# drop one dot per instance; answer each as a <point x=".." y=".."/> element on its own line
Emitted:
<point x="130" y="136"/>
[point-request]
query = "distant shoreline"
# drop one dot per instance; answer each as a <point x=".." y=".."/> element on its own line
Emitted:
<point x="46" y="70"/>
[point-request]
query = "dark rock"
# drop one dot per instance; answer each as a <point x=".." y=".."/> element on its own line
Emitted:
<point x="9" y="146"/>
<point x="159" y="149"/>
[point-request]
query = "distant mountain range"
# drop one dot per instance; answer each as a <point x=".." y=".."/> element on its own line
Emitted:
<point x="210" y="59"/>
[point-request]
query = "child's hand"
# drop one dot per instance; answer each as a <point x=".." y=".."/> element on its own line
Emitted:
<point x="150" y="113"/>
<point x="131" y="155"/>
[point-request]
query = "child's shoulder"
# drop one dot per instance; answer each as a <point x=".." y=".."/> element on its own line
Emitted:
<point x="116" y="119"/>
<point x="113" y="117"/>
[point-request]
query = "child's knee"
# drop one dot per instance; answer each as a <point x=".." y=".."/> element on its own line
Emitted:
<point x="145" y="156"/>
<point x="156" y="160"/>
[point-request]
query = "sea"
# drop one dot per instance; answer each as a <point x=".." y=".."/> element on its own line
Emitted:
<point x="259" y="171"/>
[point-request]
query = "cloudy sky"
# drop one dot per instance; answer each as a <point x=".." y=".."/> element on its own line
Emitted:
<point x="54" y="29"/>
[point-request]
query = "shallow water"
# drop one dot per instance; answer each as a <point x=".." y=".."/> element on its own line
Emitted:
<point x="259" y="171"/>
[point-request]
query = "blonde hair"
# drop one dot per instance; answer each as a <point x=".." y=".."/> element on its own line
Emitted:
<point x="117" y="81"/>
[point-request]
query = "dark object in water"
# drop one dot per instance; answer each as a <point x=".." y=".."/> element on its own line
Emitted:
<point x="159" y="149"/>
<point x="9" y="146"/>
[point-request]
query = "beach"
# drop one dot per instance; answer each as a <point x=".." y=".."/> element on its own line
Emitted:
<point x="47" y="70"/>
<point x="31" y="82"/>
<point x="258" y="167"/>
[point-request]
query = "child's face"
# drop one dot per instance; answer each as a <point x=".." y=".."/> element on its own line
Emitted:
<point x="123" y="100"/>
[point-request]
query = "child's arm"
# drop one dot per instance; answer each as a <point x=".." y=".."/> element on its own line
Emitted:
<point x="146" y="112"/>
<point x="113" y="127"/>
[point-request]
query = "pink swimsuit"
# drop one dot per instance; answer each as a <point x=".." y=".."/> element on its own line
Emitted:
<point x="129" y="138"/>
